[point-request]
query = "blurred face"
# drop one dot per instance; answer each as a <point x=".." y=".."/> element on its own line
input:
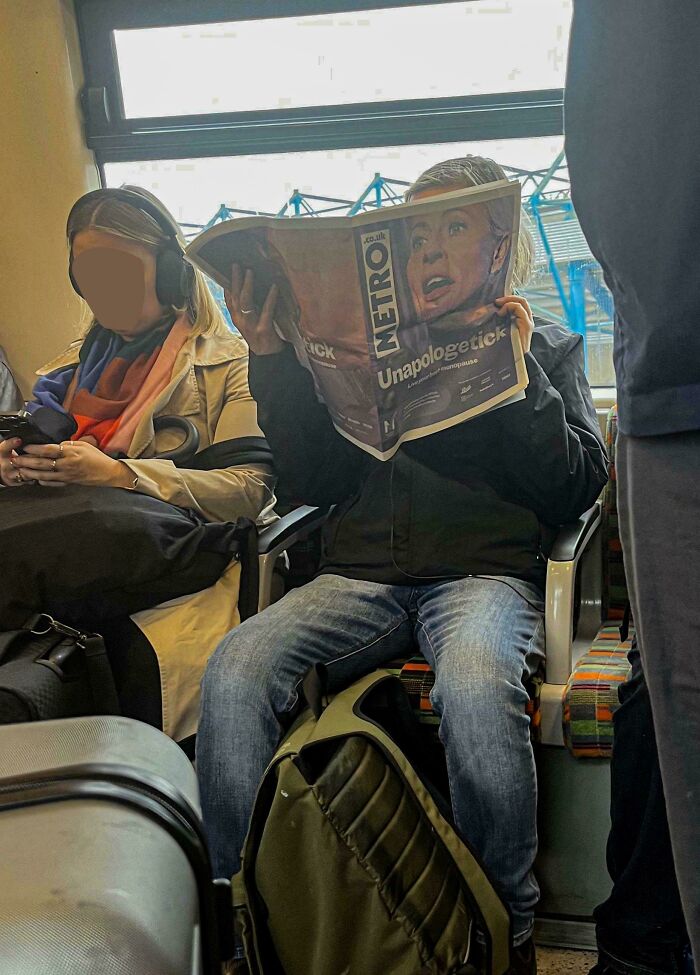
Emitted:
<point x="452" y="254"/>
<point x="117" y="278"/>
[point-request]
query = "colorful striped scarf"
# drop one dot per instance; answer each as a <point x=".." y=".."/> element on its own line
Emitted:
<point x="114" y="382"/>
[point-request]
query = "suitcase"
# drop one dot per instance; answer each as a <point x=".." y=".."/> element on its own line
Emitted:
<point x="104" y="865"/>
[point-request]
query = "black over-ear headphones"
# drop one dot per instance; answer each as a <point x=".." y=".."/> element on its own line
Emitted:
<point x="174" y="275"/>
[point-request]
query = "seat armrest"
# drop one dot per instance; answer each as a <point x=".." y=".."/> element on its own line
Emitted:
<point x="572" y="539"/>
<point x="572" y="542"/>
<point x="273" y="541"/>
<point x="290" y="528"/>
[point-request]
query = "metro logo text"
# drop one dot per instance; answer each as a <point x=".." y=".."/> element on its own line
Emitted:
<point x="381" y="292"/>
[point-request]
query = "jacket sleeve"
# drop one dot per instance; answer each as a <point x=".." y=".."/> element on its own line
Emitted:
<point x="314" y="464"/>
<point x="553" y="449"/>
<point x="219" y="495"/>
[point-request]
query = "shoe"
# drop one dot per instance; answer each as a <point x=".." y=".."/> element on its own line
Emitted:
<point x="603" y="967"/>
<point x="606" y="968"/>
<point x="523" y="960"/>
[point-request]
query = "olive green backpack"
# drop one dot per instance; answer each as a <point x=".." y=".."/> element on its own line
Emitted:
<point x="349" y="866"/>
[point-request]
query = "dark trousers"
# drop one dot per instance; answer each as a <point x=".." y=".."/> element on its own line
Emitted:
<point x="641" y="923"/>
<point x="659" y="507"/>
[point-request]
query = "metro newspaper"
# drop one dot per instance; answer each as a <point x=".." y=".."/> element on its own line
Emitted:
<point x="392" y="311"/>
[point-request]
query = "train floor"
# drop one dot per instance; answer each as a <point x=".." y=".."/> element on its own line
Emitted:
<point x="556" y="961"/>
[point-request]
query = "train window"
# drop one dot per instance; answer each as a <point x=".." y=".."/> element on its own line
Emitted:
<point x="293" y="108"/>
<point x="220" y="78"/>
<point x="433" y="51"/>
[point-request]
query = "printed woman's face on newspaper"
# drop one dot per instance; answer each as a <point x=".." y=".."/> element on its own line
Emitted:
<point x="452" y="255"/>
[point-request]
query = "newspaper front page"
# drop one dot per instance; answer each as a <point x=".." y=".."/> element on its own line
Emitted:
<point x="392" y="310"/>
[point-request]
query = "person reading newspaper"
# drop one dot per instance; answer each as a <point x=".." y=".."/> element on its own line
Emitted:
<point x="442" y="548"/>
<point x="416" y="344"/>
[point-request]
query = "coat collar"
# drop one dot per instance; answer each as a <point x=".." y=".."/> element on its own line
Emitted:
<point x="199" y="350"/>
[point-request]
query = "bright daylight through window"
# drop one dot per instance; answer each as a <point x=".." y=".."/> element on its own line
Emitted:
<point x="428" y="51"/>
<point x="431" y="51"/>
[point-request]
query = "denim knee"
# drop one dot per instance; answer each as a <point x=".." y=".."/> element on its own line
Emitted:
<point x="478" y="691"/>
<point x="221" y="665"/>
<point x="231" y="670"/>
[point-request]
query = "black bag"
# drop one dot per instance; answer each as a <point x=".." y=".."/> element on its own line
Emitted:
<point x="87" y="554"/>
<point x="48" y="670"/>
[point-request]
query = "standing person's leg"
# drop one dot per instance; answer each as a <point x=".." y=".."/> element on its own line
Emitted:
<point x="484" y="638"/>
<point x="641" y="923"/>
<point x="252" y="680"/>
<point x="659" y="507"/>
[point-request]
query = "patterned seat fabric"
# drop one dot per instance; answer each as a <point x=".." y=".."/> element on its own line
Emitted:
<point x="418" y="680"/>
<point x="590" y="697"/>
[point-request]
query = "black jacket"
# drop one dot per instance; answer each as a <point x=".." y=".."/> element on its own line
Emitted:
<point x="633" y="145"/>
<point x="482" y="497"/>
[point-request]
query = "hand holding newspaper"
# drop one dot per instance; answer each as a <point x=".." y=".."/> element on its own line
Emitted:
<point x="392" y="311"/>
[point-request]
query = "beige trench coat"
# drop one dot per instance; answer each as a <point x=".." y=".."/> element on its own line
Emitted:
<point x="210" y="386"/>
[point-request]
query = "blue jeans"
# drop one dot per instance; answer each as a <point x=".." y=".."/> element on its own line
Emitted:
<point x="484" y="637"/>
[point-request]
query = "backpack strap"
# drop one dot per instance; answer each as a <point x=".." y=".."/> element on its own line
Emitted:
<point x="100" y="676"/>
<point x="315" y="689"/>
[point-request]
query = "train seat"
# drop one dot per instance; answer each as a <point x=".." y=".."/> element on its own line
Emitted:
<point x="574" y="782"/>
<point x="590" y="697"/>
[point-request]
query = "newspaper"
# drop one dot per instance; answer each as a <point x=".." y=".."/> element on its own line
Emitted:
<point x="391" y="310"/>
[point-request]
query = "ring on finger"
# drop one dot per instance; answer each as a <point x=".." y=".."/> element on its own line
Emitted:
<point x="60" y="450"/>
<point x="19" y="478"/>
<point x="53" y="466"/>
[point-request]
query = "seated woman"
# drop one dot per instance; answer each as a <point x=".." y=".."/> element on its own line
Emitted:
<point x="157" y="345"/>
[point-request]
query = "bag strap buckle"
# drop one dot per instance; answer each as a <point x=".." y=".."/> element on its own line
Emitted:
<point x="50" y="624"/>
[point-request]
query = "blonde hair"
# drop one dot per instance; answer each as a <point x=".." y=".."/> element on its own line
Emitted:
<point x="114" y="215"/>
<point x="475" y="171"/>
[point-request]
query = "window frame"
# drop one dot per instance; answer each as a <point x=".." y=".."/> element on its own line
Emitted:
<point x="114" y="138"/>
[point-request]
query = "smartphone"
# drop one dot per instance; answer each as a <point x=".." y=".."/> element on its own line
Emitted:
<point x="23" y="426"/>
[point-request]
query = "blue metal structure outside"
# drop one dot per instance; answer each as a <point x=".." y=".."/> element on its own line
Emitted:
<point x="534" y="204"/>
<point x="568" y="286"/>
<point x="303" y="205"/>
<point x="573" y="271"/>
<point x="382" y="189"/>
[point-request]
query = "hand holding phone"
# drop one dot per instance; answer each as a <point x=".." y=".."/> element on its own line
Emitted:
<point x="10" y="476"/>
<point x="22" y="426"/>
